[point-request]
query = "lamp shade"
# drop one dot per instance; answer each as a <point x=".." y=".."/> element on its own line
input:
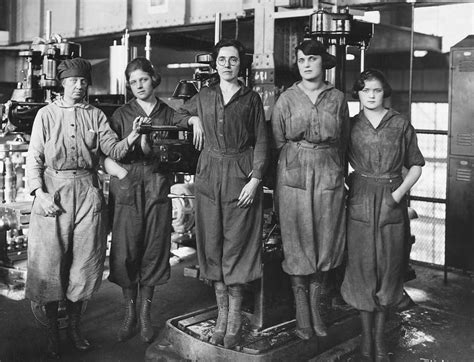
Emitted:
<point x="185" y="89"/>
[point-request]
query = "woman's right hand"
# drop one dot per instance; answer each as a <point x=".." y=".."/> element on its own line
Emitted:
<point x="47" y="203"/>
<point x="137" y="122"/>
<point x="198" y="132"/>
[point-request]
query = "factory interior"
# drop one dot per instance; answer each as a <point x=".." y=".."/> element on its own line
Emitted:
<point x="425" y="49"/>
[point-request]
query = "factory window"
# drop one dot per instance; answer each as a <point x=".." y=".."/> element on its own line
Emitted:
<point x="428" y="196"/>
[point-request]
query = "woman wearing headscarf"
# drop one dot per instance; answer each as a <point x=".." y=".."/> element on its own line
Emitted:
<point x="310" y="125"/>
<point x="67" y="235"/>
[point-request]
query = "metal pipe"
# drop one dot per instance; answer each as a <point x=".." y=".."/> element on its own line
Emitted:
<point x="48" y="25"/>
<point x="218" y="28"/>
<point x="362" y="58"/>
<point x="412" y="49"/>
<point x="148" y="46"/>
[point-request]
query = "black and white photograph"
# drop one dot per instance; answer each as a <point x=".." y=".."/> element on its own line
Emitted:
<point x="237" y="180"/>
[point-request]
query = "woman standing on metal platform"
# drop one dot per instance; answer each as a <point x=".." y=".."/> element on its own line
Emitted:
<point x="310" y="125"/>
<point x="229" y="197"/>
<point x="141" y="232"/>
<point x="382" y="142"/>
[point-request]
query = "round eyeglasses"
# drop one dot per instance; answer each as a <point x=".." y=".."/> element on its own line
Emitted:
<point x="222" y="61"/>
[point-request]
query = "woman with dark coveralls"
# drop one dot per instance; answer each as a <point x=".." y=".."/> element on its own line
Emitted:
<point x="229" y="197"/>
<point x="67" y="235"/>
<point x="141" y="234"/>
<point x="382" y="142"/>
<point x="310" y="125"/>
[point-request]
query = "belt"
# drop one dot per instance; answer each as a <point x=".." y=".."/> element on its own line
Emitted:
<point x="138" y="162"/>
<point x="228" y="152"/>
<point x="69" y="173"/>
<point x="313" y="146"/>
<point x="384" y="178"/>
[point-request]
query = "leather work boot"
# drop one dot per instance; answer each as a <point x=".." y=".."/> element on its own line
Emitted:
<point x="146" y="328"/>
<point x="315" y="302"/>
<point x="234" y="319"/>
<point x="74" y="311"/>
<point x="51" y="309"/>
<point x="381" y="354"/>
<point x="366" y="338"/>
<point x="129" y="322"/>
<point x="303" y="319"/>
<point x="222" y="299"/>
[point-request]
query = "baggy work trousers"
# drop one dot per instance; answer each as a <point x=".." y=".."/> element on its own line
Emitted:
<point x="66" y="253"/>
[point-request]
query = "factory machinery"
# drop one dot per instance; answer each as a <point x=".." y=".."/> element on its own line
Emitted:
<point x="268" y="331"/>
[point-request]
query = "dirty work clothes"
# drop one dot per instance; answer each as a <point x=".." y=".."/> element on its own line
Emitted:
<point x="141" y="234"/>
<point x="312" y="139"/>
<point x="236" y="145"/>
<point x="66" y="253"/>
<point x="377" y="227"/>
<point x="70" y="138"/>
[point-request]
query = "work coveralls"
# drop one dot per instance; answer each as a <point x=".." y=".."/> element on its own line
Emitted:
<point x="229" y="237"/>
<point x="312" y="140"/>
<point x="377" y="226"/>
<point x="141" y="235"/>
<point x="66" y="252"/>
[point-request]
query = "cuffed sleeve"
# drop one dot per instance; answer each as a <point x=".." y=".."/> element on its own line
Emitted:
<point x="109" y="141"/>
<point x="260" y="152"/>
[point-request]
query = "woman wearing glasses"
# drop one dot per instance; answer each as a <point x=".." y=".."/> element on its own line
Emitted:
<point x="229" y="212"/>
<point x="310" y="125"/>
<point x="382" y="142"/>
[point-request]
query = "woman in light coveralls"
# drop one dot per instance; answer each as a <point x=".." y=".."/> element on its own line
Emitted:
<point x="310" y="125"/>
<point x="67" y="235"/>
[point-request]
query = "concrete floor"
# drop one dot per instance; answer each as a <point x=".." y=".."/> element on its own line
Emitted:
<point x="440" y="327"/>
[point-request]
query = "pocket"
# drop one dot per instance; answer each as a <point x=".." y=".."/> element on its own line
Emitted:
<point x="358" y="210"/>
<point x="293" y="172"/>
<point x="37" y="209"/>
<point x="202" y="181"/>
<point x="391" y="212"/>
<point x="96" y="198"/>
<point x="332" y="180"/>
<point x="90" y="138"/>
<point x="123" y="190"/>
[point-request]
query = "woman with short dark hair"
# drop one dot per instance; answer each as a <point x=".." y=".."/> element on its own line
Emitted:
<point x="382" y="142"/>
<point x="310" y="125"/>
<point x="229" y="196"/>
<point x="141" y="232"/>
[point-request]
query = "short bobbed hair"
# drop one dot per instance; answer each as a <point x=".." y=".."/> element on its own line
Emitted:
<point x="370" y="74"/>
<point x="314" y="47"/>
<point x="142" y="63"/>
<point x="228" y="43"/>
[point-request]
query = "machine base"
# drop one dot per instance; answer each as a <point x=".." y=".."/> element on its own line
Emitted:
<point x="187" y="336"/>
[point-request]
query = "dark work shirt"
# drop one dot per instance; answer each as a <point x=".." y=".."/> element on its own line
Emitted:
<point x="122" y="123"/>
<point x="386" y="149"/>
<point x="232" y="127"/>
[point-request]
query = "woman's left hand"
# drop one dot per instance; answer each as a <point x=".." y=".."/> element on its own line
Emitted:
<point x="198" y="132"/>
<point x="247" y="195"/>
